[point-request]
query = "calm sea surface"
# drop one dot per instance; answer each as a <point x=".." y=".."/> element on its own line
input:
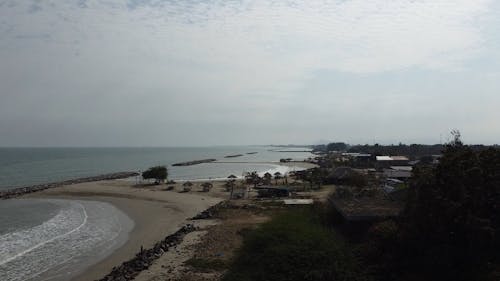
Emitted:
<point x="28" y="166"/>
<point x="49" y="239"/>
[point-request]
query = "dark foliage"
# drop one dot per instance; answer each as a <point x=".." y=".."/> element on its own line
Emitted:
<point x="451" y="226"/>
<point x="294" y="246"/>
<point x="158" y="173"/>
<point x="456" y="207"/>
<point x="336" y="146"/>
<point x="414" y="151"/>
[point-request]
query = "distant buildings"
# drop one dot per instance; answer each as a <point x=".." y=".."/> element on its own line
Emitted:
<point x="388" y="161"/>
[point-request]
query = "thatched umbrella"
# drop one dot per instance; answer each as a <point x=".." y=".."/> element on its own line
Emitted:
<point x="268" y="177"/>
<point x="277" y="176"/>
<point x="207" y="186"/>
<point x="187" y="186"/>
<point x="231" y="181"/>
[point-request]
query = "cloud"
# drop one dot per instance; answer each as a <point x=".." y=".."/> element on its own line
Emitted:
<point x="233" y="63"/>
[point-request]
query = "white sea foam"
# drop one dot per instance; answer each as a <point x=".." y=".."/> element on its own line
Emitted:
<point x="82" y="231"/>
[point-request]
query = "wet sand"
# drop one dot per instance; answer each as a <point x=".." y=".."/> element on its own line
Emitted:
<point x="156" y="214"/>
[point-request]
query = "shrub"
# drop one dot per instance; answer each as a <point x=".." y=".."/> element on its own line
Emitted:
<point x="158" y="173"/>
<point x="294" y="246"/>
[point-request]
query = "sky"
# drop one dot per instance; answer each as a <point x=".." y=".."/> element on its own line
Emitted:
<point x="198" y="73"/>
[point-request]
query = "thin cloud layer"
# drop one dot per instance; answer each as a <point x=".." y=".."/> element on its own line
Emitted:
<point x="219" y="64"/>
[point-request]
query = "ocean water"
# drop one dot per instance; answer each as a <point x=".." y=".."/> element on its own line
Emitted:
<point x="49" y="239"/>
<point x="28" y="166"/>
<point x="54" y="239"/>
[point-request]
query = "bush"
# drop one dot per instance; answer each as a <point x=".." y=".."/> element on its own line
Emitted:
<point x="206" y="264"/>
<point x="294" y="246"/>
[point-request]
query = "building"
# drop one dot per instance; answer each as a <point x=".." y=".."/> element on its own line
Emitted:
<point x="388" y="161"/>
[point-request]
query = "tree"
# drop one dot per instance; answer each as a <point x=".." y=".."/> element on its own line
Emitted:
<point x="252" y="178"/>
<point x="158" y="173"/>
<point x="453" y="213"/>
<point x="336" y="146"/>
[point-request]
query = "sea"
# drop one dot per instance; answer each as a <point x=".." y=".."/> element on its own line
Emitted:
<point x="56" y="239"/>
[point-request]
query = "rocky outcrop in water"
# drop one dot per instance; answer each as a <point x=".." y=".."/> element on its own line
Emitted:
<point x="145" y="258"/>
<point x="16" y="192"/>
<point x="196" y="162"/>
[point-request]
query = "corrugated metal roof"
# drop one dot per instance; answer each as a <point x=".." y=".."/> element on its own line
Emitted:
<point x="399" y="158"/>
<point x="392" y="158"/>
<point x="384" y="158"/>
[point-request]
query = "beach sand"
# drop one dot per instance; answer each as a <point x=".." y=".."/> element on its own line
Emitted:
<point x="156" y="214"/>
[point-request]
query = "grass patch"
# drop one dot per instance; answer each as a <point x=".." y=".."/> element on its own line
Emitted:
<point x="294" y="246"/>
<point x="206" y="264"/>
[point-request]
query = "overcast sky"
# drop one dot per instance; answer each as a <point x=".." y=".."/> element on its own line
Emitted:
<point x="184" y="73"/>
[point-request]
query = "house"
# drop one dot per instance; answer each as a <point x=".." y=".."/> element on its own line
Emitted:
<point x="388" y="161"/>
<point x="339" y="175"/>
<point x="397" y="174"/>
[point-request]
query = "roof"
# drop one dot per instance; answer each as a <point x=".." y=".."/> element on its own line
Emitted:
<point x="392" y="158"/>
<point x="384" y="158"/>
<point x="356" y="154"/>
<point x="298" y="201"/>
<point x="402" y="168"/>
<point x="341" y="172"/>
<point x="397" y="173"/>
<point x="400" y="158"/>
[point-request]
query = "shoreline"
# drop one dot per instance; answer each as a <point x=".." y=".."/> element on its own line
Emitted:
<point x="20" y="191"/>
<point x="156" y="214"/>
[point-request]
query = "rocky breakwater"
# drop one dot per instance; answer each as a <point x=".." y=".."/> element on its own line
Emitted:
<point x="145" y="258"/>
<point x="196" y="162"/>
<point x="16" y="192"/>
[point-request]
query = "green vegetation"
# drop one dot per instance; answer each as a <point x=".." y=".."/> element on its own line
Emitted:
<point x="158" y="173"/>
<point x="451" y="226"/>
<point x="449" y="230"/>
<point x="206" y="264"/>
<point x="336" y="146"/>
<point x="294" y="246"/>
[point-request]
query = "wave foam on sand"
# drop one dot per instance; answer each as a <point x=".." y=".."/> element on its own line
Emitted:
<point x="79" y="230"/>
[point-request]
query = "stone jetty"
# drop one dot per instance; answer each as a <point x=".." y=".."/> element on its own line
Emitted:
<point x="210" y="212"/>
<point x="233" y="156"/>
<point x="16" y="192"/>
<point x="190" y="163"/>
<point x="145" y="258"/>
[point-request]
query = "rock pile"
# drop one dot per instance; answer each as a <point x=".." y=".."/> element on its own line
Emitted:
<point x="145" y="258"/>
<point x="34" y="188"/>
<point x="210" y="212"/>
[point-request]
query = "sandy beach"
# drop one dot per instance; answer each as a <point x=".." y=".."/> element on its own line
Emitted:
<point x="157" y="211"/>
<point x="156" y="214"/>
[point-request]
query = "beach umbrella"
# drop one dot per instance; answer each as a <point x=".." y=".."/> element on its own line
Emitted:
<point x="206" y="186"/>
<point x="187" y="186"/>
